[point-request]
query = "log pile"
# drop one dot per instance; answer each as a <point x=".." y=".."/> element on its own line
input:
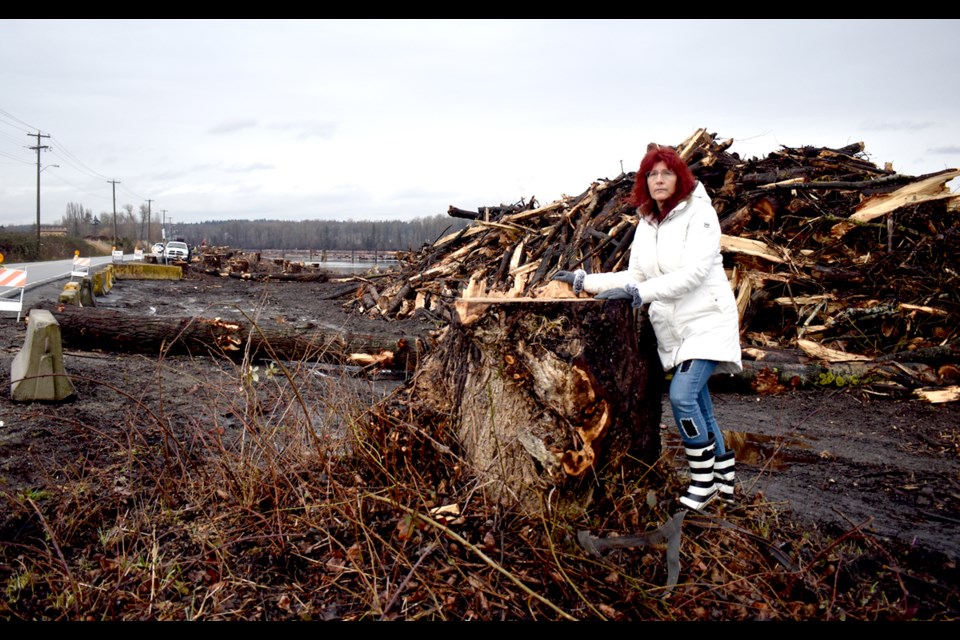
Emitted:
<point x="234" y="263"/>
<point x="832" y="259"/>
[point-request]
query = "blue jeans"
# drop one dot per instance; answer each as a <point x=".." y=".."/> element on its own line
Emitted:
<point x="691" y="404"/>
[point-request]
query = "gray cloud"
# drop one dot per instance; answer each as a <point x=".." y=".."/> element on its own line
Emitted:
<point x="425" y="106"/>
<point x="169" y="175"/>
<point x="421" y="194"/>
<point x="313" y="129"/>
<point x="245" y="168"/>
<point x="230" y="127"/>
<point x="903" y="125"/>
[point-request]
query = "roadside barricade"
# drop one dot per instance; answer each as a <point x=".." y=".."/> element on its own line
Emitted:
<point x="81" y="267"/>
<point x="11" y="280"/>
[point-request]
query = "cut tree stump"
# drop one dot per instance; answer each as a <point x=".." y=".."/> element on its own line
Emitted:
<point x="554" y="403"/>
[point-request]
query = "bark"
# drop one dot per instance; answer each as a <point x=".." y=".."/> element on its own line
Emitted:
<point x="553" y="402"/>
<point x="772" y="377"/>
<point x="762" y="208"/>
<point x="883" y="183"/>
<point x="455" y="212"/>
<point x="405" y="292"/>
<point x="314" y="276"/>
<point x="97" y="329"/>
<point x="349" y="288"/>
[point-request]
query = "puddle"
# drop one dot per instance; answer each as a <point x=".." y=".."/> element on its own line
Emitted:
<point x="769" y="452"/>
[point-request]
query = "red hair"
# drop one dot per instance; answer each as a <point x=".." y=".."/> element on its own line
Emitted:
<point x="640" y="196"/>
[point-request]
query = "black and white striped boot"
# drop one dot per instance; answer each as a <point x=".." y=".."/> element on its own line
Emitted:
<point x="723" y="472"/>
<point x="702" y="489"/>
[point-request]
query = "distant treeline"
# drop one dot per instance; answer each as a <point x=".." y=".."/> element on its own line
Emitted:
<point x="350" y="235"/>
<point x="132" y="228"/>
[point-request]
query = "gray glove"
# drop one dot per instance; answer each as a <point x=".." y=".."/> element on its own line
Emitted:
<point x="573" y="278"/>
<point x="626" y="292"/>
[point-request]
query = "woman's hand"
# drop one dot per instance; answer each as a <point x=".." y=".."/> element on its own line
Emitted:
<point x="626" y="292"/>
<point x="565" y="276"/>
<point x="573" y="278"/>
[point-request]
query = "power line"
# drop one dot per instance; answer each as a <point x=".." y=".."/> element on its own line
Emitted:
<point x="12" y="140"/>
<point x="72" y="157"/>
<point x="84" y="190"/>
<point x="7" y="155"/>
<point x="73" y="165"/>
<point x="135" y="195"/>
<point x="21" y="127"/>
<point x="65" y="156"/>
<point x="10" y="115"/>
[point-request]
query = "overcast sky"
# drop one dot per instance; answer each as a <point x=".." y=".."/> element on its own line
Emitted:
<point x="399" y="119"/>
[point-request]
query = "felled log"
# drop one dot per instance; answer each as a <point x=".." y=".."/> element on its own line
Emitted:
<point x="211" y="261"/>
<point x="773" y="378"/>
<point x="321" y="276"/>
<point x="882" y="184"/>
<point x="98" y="329"/>
<point x="342" y="290"/>
<point x="404" y="294"/>
<point x="492" y="213"/>
<point x="930" y="188"/>
<point x="456" y="212"/>
<point x="763" y="208"/>
<point x="553" y="402"/>
<point x="951" y="394"/>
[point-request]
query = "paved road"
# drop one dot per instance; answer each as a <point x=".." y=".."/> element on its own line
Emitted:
<point x="39" y="273"/>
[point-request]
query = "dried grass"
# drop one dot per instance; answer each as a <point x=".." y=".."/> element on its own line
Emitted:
<point x="294" y="496"/>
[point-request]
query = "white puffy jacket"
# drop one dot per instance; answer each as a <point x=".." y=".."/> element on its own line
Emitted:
<point x="678" y="269"/>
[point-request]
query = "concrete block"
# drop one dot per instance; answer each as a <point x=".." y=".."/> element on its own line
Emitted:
<point x="69" y="296"/>
<point x="143" y="271"/>
<point x="87" y="299"/>
<point x="103" y="282"/>
<point x="37" y="372"/>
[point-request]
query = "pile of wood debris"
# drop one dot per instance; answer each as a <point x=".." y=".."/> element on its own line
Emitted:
<point x="833" y="260"/>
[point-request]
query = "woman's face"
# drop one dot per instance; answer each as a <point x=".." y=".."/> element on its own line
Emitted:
<point x="661" y="182"/>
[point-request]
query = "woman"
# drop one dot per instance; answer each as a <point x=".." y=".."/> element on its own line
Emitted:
<point x="675" y="266"/>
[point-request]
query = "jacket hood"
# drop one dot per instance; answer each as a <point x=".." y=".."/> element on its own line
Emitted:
<point x="699" y="194"/>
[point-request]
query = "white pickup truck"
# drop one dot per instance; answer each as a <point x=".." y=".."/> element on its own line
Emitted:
<point x="176" y="251"/>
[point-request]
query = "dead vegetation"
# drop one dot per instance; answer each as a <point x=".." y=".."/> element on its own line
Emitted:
<point x="285" y="498"/>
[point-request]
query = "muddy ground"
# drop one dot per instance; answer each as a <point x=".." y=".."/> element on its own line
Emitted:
<point x="834" y="459"/>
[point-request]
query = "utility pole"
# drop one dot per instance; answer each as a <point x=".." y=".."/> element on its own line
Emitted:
<point x="38" y="148"/>
<point x="163" y="226"/>
<point x="114" y="183"/>
<point x="149" y="241"/>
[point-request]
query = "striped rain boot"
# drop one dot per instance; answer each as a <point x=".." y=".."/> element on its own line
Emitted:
<point x="723" y="471"/>
<point x="702" y="487"/>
